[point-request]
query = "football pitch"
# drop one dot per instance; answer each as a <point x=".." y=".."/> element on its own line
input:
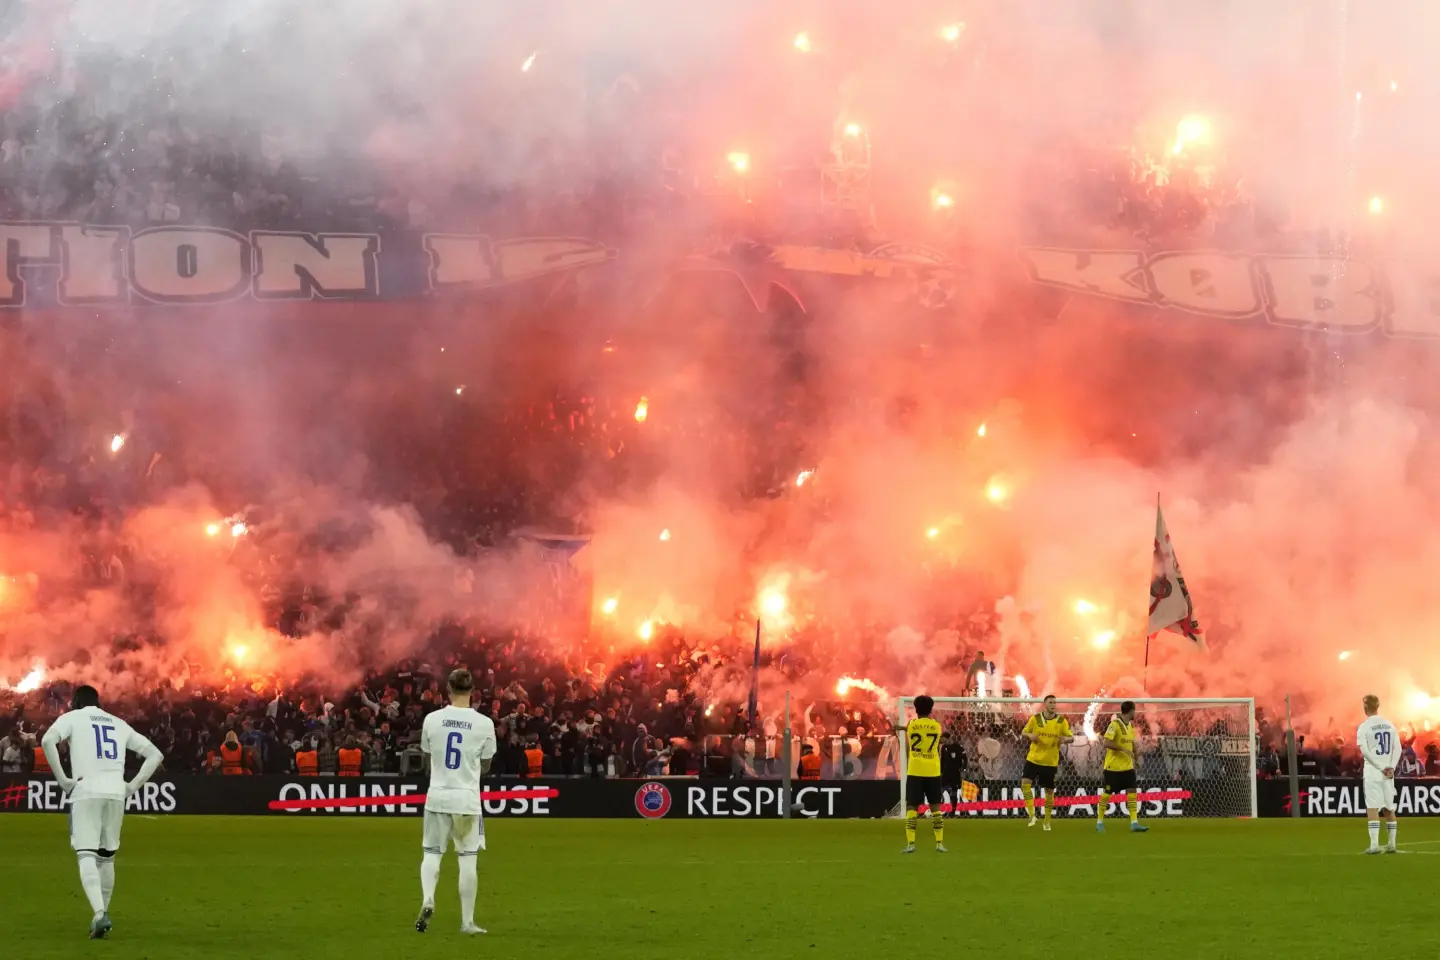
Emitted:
<point x="220" y="888"/>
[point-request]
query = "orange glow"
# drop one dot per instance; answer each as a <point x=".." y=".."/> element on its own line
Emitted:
<point x="212" y="529"/>
<point x="665" y="535"/>
<point x="941" y="200"/>
<point x="773" y="602"/>
<point x="738" y="160"/>
<point x="996" y="491"/>
<point x="981" y="431"/>
<point x="117" y="442"/>
<point x="1377" y="205"/>
<point x="852" y="130"/>
<point x="1103" y="638"/>
<point x="1085" y="607"/>
<point x="609" y="606"/>
<point x="933" y="532"/>
<point x="239" y="652"/>
<point x="239" y="530"/>
<point x="951" y="32"/>
<point x="529" y="62"/>
<point x="642" y="410"/>
<point x="646" y="631"/>
<point x="803" y="477"/>
<point x="802" y="42"/>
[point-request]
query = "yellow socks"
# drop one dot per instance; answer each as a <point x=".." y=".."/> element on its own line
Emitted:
<point x="937" y="823"/>
<point x="1049" y="803"/>
<point x="910" y="820"/>
<point x="1028" y="792"/>
<point x="1104" y="802"/>
<point x="1133" y="802"/>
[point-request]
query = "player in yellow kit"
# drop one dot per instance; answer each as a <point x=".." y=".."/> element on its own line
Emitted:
<point x="922" y="773"/>
<point x="1045" y="731"/>
<point x="1120" y="768"/>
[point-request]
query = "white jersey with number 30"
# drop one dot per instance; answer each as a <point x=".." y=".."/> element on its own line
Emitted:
<point x="1379" y="741"/>
<point x="458" y="740"/>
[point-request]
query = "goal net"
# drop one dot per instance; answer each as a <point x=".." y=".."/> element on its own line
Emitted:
<point x="1194" y="758"/>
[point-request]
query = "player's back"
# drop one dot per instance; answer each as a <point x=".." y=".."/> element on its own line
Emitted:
<point x="1379" y="736"/>
<point x="98" y="741"/>
<point x="458" y="740"/>
<point x="922" y="737"/>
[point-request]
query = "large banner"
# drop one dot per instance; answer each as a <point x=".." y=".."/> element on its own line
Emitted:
<point x="1346" y="798"/>
<point x="88" y="265"/>
<point x="670" y="798"/>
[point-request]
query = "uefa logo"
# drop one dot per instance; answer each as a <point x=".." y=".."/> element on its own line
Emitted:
<point x="652" y="800"/>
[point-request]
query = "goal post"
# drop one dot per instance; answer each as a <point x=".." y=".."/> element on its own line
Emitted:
<point x="1195" y="757"/>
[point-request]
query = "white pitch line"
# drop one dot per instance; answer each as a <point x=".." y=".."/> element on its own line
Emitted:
<point x="1417" y="843"/>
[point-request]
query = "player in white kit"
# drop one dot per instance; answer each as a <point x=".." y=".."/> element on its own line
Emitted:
<point x="460" y="743"/>
<point x="98" y="791"/>
<point x="1380" y="745"/>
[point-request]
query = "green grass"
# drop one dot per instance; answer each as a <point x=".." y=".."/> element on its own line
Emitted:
<point x="320" y="888"/>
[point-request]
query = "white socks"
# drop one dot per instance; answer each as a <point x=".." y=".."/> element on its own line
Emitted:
<point x="107" y="880"/>
<point x="468" y="884"/>
<point x="1394" y="829"/>
<point x="1374" y="834"/>
<point x="429" y="876"/>
<point x="90" y="882"/>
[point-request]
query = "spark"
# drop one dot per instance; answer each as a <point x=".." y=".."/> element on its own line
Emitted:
<point x="980" y="432"/>
<point x="1022" y="686"/>
<point x="951" y="32"/>
<point x="1191" y="129"/>
<point x="609" y="606"/>
<point x="459" y="390"/>
<point x="665" y="535"/>
<point x="646" y="631"/>
<point x="802" y="42"/>
<point x="529" y="62"/>
<point x="739" y="161"/>
<point x="238" y="530"/>
<point x="1090" y="712"/>
<point x="773" y="602"/>
<point x="1103" y="638"/>
<point x="980" y="684"/>
<point x="852" y="129"/>
<point x="116" y="442"/>
<point x="996" y="491"/>
<point x="239" y="652"/>
<point x="211" y="529"/>
<point x="642" y="410"/>
<point x="803" y="477"/>
<point x="846" y="684"/>
<point x="1346" y="654"/>
<point x="709" y="709"/>
<point x="1377" y="205"/>
<point x="31" y="681"/>
<point x="1085" y="607"/>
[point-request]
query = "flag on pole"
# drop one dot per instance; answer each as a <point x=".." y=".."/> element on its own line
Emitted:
<point x="755" y="683"/>
<point x="1170" y="605"/>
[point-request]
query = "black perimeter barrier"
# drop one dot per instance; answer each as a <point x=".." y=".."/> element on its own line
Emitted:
<point x="672" y="798"/>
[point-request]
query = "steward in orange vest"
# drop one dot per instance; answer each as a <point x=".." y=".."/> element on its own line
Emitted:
<point x="42" y="765"/>
<point x="809" y="763"/>
<point x="349" y="758"/>
<point x="534" y="761"/>
<point x="307" y="762"/>
<point x="232" y="757"/>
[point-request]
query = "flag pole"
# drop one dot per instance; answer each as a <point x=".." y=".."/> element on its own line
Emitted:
<point x="755" y="682"/>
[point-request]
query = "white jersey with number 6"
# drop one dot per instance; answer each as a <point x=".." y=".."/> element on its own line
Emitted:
<point x="1379" y="743"/>
<point x="458" y="740"/>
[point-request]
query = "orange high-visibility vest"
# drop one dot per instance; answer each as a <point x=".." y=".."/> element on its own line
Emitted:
<point x="810" y="766"/>
<point x="307" y="763"/>
<point x="535" y="761"/>
<point x="42" y="765"/>
<point x="349" y="762"/>
<point x="232" y="760"/>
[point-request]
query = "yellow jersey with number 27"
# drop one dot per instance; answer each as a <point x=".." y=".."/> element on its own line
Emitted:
<point x="922" y="747"/>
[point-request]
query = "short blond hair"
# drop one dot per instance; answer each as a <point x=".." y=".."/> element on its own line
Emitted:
<point x="1372" y="703"/>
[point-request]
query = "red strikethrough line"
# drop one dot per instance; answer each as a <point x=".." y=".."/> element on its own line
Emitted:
<point x="415" y="799"/>
<point x="1089" y="801"/>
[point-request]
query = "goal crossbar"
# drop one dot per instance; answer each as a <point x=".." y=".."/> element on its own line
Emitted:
<point x="1242" y="709"/>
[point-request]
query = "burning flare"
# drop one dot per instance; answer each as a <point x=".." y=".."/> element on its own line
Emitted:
<point x="846" y="684"/>
<point x="529" y="62"/>
<point x="117" y="442"/>
<point x="642" y="410"/>
<point x="802" y="42"/>
<point x="738" y="160"/>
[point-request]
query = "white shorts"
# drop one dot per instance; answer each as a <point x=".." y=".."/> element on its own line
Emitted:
<point x="465" y="830"/>
<point x="1379" y="792"/>
<point x="95" y="823"/>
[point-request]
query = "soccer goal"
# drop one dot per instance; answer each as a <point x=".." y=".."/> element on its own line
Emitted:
<point x="1194" y="757"/>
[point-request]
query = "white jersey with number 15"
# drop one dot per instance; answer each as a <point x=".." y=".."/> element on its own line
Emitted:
<point x="458" y="740"/>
